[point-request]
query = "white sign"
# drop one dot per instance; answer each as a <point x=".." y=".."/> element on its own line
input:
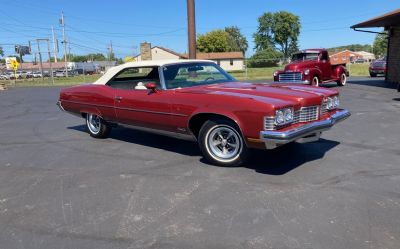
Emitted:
<point x="9" y="61"/>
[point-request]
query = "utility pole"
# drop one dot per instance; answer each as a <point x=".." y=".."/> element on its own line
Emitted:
<point x="55" y="45"/>
<point x="191" y="28"/>
<point x="62" y="23"/>
<point x="40" y="57"/>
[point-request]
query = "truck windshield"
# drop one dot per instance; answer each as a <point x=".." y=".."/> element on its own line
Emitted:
<point x="305" y="57"/>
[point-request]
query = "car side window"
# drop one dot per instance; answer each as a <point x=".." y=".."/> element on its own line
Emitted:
<point x="135" y="78"/>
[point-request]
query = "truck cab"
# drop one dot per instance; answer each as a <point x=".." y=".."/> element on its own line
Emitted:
<point x="312" y="66"/>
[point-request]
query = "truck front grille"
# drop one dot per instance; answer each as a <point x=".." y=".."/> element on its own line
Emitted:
<point x="290" y="77"/>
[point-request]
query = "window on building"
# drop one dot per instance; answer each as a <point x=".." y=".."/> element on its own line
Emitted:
<point x="231" y="62"/>
<point x="218" y="62"/>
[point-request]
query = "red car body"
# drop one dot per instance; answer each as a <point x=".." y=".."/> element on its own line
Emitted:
<point x="182" y="112"/>
<point x="312" y="70"/>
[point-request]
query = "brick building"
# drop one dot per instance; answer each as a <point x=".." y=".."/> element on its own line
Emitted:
<point x="345" y="56"/>
<point x="391" y="23"/>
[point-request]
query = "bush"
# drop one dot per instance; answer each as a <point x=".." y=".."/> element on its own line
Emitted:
<point x="265" y="58"/>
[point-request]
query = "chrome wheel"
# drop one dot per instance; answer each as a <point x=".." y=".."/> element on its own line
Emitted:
<point x="343" y="79"/>
<point x="224" y="143"/>
<point x="315" y="81"/>
<point x="93" y="123"/>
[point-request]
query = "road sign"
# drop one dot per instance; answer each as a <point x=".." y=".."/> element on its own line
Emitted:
<point x="14" y="64"/>
<point x="8" y="62"/>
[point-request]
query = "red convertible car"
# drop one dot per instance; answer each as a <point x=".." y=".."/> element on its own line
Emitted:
<point x="196" y="99"/>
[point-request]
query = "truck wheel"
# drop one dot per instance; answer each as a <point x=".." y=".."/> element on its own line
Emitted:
<point x="221" y="143"/>
<point x="96" y="126"/>
<point x="342" y="80"/>
<point x="315" y="81"/>
<point x="372" y="75"/>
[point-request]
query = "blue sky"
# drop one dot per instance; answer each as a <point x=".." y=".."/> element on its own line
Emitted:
<point x="91" y="25"/>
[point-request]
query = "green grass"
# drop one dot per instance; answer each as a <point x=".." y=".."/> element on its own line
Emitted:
<point x="255" y="73"/>
<point x="358" y="69"/>
<point x="251" y="74"/>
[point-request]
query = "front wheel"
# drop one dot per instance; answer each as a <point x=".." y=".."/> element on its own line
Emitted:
<point x="221" y="143"/>
<point x="96" y="126"/>
<point x="342" y="80"/>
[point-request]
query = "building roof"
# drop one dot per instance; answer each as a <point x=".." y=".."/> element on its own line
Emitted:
<point x="389" y="19"/>
<point x="166" y="50"/>
<point x="151" y="63"/>
<point x="218" y="56"/>
<point x="344" y="51"/>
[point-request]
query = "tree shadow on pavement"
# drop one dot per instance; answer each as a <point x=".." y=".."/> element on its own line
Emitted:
<point x="272" y="162"/>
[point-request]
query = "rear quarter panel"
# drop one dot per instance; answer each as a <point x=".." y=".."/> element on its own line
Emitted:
<point x="97" y="99"/>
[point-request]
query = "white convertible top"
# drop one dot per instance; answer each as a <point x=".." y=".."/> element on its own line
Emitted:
<point x="153" y="63"/>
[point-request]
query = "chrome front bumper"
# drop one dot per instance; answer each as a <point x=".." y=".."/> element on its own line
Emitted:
<point x="306" y="133"/>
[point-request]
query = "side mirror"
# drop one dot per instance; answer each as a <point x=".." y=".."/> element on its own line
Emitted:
<point x="151" y="86"/>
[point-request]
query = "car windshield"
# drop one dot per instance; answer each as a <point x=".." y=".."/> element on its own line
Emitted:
<point x="379" y="63"/>
<point x="194" y="74"/>
<point x="305" y="57"/>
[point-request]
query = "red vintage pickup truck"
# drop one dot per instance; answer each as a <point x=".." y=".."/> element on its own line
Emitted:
<point x="312" y="66"/>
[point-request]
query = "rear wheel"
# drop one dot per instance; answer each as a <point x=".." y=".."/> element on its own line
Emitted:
<point x="315" y="81"/>
<point x="96" y="126"/>
<point x="342" y="80"/>
<point x="221" y="143"/>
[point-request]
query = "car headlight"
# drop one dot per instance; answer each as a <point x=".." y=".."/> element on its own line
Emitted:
<point x="332" y="102"/>
<point x="307" y="72"/>
<point x="275" y="73"/>
<point x="284" y="116"/>
<point x="288" y="114"/>
<point x="279" y="117"/>
<point x="336" y="101"/>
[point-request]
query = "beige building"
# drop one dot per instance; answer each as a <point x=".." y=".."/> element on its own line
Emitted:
<point x="391" y="23"/>
<point x="229" y="61"/>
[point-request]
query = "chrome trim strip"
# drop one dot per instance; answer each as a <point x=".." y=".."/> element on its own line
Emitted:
<point x="276" y="138"/>
<point x="128" y="109"/>
<point x="188" y="137"/>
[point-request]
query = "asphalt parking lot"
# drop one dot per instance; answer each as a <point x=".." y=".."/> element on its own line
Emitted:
<point x="60" y="188"/>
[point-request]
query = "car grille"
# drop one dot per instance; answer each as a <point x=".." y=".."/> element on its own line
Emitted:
<point x="324" y="107"/>
<point x="269" y="123"/>
<point x="305" y="114"/>
<point x="290" y="77"/>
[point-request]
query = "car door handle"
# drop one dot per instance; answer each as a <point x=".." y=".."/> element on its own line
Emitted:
<point x="118" y="98"/>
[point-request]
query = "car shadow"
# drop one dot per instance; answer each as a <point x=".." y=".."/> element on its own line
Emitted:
<point x="271" y="162"/>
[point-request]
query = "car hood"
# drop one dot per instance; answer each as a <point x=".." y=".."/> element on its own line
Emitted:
<point x="299" y="65"/>
<point x="278" y="94"/>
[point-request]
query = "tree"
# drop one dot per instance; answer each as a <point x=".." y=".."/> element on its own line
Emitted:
<point x="279" y="30"/>
<point x="268" y="57"/>
<point x="380" y="45"/>
<point x="238" y="40"/>
<point x="215" y="41"/>
<point x="1" y="51"/>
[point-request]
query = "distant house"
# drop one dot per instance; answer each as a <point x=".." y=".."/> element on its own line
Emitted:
<point x="345" y="57"/>
<point x="366" y="55"/>
<point x="229" y="61"/>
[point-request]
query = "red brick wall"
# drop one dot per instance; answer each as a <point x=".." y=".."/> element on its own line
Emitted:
<point x="393" y="74"/>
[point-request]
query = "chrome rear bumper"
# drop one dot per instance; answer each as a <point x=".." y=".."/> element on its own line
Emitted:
<point x="60" y="106"/>
<point x="306" y="133"/>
